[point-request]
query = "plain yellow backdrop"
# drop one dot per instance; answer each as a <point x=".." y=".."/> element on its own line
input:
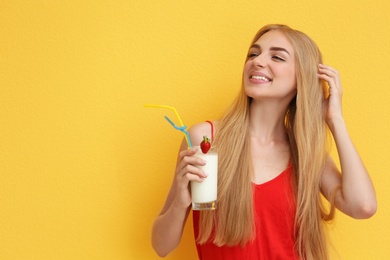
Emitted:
<point x="85" y="168"/>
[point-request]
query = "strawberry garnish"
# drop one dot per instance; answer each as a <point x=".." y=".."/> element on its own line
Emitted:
<point x="205" y="145"/>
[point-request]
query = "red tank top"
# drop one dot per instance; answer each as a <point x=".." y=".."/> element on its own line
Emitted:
<point x="274" y="221"/>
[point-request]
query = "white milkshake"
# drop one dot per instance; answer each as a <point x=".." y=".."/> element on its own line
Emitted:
<point x="204" y="194"/>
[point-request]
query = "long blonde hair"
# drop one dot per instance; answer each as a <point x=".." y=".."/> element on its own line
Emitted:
<point x="233" y="222"/>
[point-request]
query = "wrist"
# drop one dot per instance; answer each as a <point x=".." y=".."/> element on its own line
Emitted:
<point x="335" y="123"/>
<point x="180" y="206"/>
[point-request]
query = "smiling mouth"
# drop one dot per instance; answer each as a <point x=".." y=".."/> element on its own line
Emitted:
<point x="259" y="77"/>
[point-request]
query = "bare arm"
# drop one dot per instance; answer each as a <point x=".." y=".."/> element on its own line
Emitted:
<point x="168" y="227"/>
<point x="356" y="196"/>
<point x="354" y="191"/>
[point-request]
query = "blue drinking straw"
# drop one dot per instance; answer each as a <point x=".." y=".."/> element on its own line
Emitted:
<point x="182" y="129"/>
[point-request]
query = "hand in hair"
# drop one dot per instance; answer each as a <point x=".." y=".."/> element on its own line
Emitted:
<point x="333" y="102"/>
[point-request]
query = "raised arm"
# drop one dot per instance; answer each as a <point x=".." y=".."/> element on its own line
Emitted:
<point x="354" y="191"/>
<point x="168" y="227"/>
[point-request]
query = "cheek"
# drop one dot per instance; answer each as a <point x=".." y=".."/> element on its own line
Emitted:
<point x="293" y="77"/>
<point x="247" y="66"/>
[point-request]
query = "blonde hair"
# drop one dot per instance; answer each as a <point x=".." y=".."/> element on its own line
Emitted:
<point x="233" y="222"/>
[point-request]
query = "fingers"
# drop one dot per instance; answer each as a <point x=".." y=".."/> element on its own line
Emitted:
<point x="187" y="169"/>
<point x="331" y="76"/>
<point x="327" y="70"/>
<point x="328" y="74"/>
<point x="333" y="95"/>
<point x="187" y="152"/>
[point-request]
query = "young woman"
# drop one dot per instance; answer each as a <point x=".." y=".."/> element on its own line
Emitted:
<point x="273" y="161"/>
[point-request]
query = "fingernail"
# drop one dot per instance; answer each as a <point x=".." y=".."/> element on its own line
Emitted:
<point x="204" y="162"/>
<point x="205" y="173"/>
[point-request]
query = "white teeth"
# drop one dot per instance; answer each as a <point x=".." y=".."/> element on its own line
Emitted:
<point x="260" y="77"/>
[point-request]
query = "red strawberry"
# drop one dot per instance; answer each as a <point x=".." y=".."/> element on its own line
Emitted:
<point x="205" y="145"/>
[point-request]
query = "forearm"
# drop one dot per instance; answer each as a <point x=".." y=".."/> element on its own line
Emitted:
<point x="168" y="229"/>
<point x="357" y="191"/>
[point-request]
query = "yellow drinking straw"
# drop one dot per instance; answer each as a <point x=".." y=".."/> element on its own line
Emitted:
<point x="182" y="126"/>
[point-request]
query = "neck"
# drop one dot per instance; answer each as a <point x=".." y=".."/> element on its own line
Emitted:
<point x="266" y="122"/>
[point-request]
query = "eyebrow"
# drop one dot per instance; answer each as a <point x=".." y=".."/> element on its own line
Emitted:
<point x="272" y="48"/>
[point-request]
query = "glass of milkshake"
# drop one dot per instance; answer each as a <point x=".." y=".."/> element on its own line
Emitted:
<point x="204" y="194"/>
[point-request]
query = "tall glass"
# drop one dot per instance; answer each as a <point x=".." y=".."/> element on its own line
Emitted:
<point x="204" y="194"/>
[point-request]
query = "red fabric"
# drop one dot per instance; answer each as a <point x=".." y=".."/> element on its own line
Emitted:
<point x="275" y="211"/>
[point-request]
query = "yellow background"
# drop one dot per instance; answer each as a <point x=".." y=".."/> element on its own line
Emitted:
<point x="85" y="168"/>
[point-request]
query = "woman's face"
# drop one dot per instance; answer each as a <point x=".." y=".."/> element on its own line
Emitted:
<point x="270" y="69"/>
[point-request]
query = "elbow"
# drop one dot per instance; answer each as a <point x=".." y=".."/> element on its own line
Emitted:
<point x="161" y="254"/>
<point x="161" y="251"/>
<point x="366" y="211"/>
<point x="370" y="211"/>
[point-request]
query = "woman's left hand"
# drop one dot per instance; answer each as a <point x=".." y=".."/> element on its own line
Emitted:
<point x="333" y="108"/>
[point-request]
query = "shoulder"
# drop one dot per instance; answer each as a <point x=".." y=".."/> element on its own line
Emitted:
<point x="201" y="129"/>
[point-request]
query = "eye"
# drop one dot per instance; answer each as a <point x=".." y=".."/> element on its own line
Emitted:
<point x="278" y="58"/>
<point x="253" y="55"/>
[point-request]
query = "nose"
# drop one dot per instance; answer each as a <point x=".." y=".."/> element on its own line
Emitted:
<point x="260" y="61"/>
